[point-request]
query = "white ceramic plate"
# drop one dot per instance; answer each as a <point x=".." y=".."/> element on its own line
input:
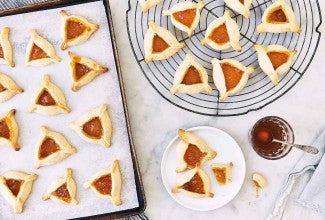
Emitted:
<point x="228" y="151"/>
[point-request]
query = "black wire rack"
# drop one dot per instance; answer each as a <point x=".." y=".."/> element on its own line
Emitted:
<point x="259" y="90"/>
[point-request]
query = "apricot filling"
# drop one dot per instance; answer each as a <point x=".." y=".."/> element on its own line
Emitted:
<point x="103" y="184"/>
<point x="14" y="185"/>
<point x="4" y="130"/>
<point x="93" y="128"/>
<point x="193" y="155"/>
<point x="195" y="184"/>
<point x="37" y="53"/>
<point x="63" y="193"/>
<point x="1" y="53"/>
<point x="220" y="174"/>
<point x="232" y="75"/>
<point x="220" y="34"/>
<point x="81" y="70"/>
<point x="192" y="76"/>
<point x="159" y="44"/>
<point x="277" y="16"/>
<point x="74" y="29"/>
<point x="185" y="17"/>
<point x="45" y="99"/>
<point x="278" y="58"/>
<point x="2" y="88"/>
<point x="48" y="147"/>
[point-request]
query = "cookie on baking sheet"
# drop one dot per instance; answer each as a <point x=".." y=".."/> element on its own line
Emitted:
<point x="6" y="48"/>
<point x="63" y="190"/>
<point x="83" y="70"/>
<point x="75" y="30"/>
<point x="8" y="88"/>
<point x="40" y="52"/>
<point x="147" y="4"/>
<point x="16" y="186"/>
<point x="9" y="130"/>
<point x="95" y="126"/>
<point x="52" y="148"/>
<point x="48" y="99"/>
<point x="107" y="183"/>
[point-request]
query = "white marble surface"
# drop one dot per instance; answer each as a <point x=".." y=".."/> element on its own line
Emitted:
<point x="155" y="121"/>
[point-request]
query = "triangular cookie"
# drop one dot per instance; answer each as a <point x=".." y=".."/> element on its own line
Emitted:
<point x="75" y="30"/>
<point x="185" y="15"/>
<point x="6" y="48"/>
<point x="274" y="60"/>
<point x="16" y="186"/>
<point x="195" y="182"/>
<point x="240" y="6"/>
<point x="40" y="51"/>
<point x="159" y="43"/>
<point x="107" y="183"/>
<point x="9" y="130"/>
<point x="63" y="190"/>
<point x="95" y="126"/>
<point x="230" y="76"/>
<point x="223" y="33"/>
<point x="48" y="99"/>
<point x="190" y="78"/>
<point x="83" y="70"/>
<point x="52" y="148"/>
<point x="147" y="4"/>
<point x="278" y="18"/>
<point x="192" y="151"/>
<point x="222" y="172"/>
<point x="8" y="88"/>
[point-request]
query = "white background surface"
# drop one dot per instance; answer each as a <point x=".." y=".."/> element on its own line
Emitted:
<point x="155" y="122"/>
<point x="90" y="158"/>
<point x="227" y="151"/>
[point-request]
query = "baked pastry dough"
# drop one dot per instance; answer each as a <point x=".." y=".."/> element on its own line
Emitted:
<point x="95" y="126"/>
<point x="107" y="183"/>
<point x="9" y="130"/>
<point x="48" y="99"/>
<point x="75" y="30"/>
<point x="274" y="60"/>
<point x="40" y="51"/>
<point x="192" y="151"/>
<point x="190" y="78"/>
<point x="185" y="15"/>
<point x="195" y="182"/>
<point x="147" y="4"/>
<point x="159" y="43"/>
<point x="52" y="148"/>
<point x="223" y="33"/>
<point x="83" y="70"/>
<point x="5" y="48"/>
<point x="63" y="190"/>
<point x="16" y="187"/>
<point x="278" y="18"/>
<point x="230" y="76"/>
<point x="240" y="6"/>
<point x="222" y="172"/>
<point x="259" y="182"/>
<point x="8" y="88"/>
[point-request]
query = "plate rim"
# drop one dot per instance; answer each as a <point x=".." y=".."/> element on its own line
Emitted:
<point x="162" y="164"/>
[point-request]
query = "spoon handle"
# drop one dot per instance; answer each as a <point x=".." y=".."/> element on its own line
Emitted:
<point x="306" y="148"/>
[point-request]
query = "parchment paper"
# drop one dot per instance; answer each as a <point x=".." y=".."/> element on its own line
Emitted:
<point x="90" y="158"/>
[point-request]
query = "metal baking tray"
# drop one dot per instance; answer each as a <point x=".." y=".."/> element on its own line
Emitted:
<point x="53" y="4"/>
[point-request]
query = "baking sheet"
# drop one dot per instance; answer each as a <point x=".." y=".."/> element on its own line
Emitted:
<point x="90" y="158"/>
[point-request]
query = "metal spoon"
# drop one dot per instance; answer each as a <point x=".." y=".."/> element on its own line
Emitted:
<point x="306" y="148"/>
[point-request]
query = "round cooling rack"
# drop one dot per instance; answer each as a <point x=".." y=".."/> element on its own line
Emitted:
<point x="259" y="90"/>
